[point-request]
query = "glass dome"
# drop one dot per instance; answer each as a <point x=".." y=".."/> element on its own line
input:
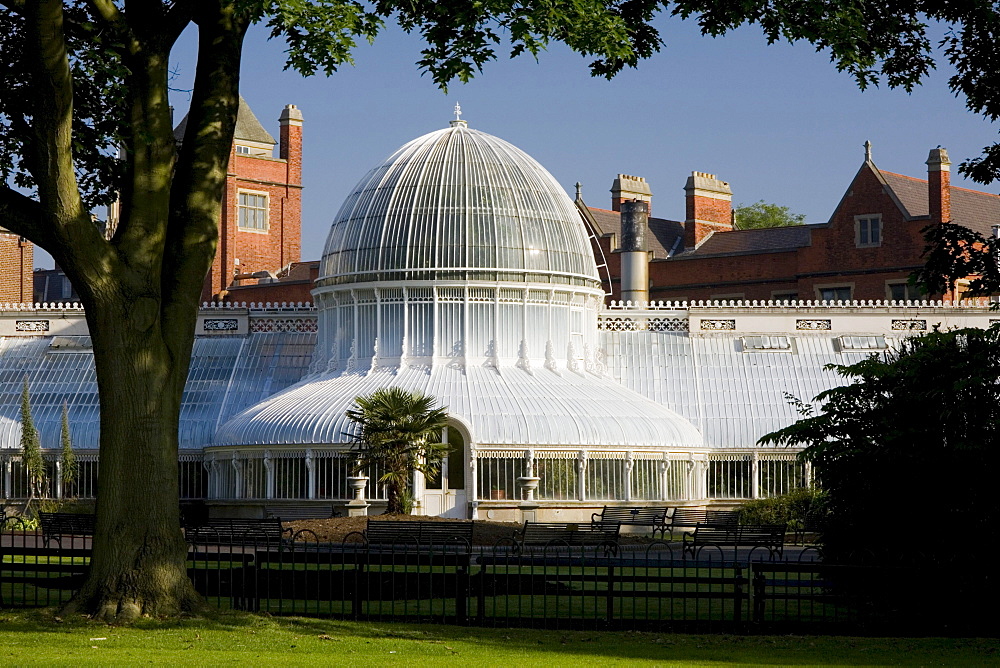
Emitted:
<point x="458" y="204"/>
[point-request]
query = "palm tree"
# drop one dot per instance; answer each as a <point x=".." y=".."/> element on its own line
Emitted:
<point x="399" y="431"/>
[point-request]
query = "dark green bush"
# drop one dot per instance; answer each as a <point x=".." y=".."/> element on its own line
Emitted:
<point x="789" y="509"/>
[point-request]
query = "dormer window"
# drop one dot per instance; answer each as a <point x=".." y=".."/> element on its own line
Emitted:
<point x="245" y="150"/>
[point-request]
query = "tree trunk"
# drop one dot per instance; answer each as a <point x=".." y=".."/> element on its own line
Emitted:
<point x="139" y="552"/>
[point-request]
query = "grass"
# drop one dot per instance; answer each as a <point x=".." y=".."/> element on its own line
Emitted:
<point x="37" y="638"/>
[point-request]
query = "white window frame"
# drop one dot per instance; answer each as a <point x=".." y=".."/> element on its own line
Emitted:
<point x="864" y="224"/>
<point x="240" y="207"/>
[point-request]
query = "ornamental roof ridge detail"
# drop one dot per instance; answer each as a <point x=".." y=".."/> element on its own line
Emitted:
<point x="629" y="305"/>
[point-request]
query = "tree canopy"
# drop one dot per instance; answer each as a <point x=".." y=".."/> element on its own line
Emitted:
<point x="913" y="430"/>
<point x="762" y="214"/>
<point x="954" y="252"/>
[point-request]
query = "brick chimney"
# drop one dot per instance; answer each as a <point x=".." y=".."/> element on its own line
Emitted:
<point x="939" y="185"/>
<point x="290" y="143"/>
<point x="630" y="188"/>
<point x="709" y="204"/>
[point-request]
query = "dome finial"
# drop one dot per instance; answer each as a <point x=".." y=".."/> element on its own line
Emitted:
<point x="458" y="117"/>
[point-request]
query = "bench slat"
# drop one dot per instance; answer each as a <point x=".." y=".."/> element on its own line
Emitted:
<point x="398" y="532"/>
<point x="771" y="536"/>
<point x="545" y="534"/>
<point x="654" y="517"/>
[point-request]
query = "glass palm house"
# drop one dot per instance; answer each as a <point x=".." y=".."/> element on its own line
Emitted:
<point x="460" y="268"/>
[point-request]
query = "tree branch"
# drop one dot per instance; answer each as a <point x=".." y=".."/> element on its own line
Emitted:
<point x="107" y="10"/>
<point x="178" y="17"/>
<point x="16" y="6"/>
<point x="52" y="166"/>
<point x="22" y="215"/>
<point x="200" y="173"/>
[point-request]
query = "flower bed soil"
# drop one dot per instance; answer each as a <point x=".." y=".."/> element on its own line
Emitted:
<point x="336" y="529"/>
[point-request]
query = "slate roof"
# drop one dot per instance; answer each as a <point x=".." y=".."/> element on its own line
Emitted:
<point x="747" y="242"/>
<point x="663" y="232"/>
<point x="248" y="128"/>
<point x="971" y="208"/>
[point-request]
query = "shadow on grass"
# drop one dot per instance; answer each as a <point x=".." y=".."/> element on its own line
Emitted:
<point x="542" y="647"/>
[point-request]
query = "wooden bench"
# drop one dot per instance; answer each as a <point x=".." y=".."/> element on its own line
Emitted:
<point x="237" y="532"/>
<point x="771" y="536"/>
<point x="644" y="516"/>
<point x="57" y="525"/>
<point x="553" y="534"/>
<point x="301" y="511"/>
<point x="403" y="532"/>
<point x="812" y="526"/>
<point x="692" y="517"/>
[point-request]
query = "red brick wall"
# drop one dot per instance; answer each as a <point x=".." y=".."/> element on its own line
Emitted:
<point x="705" y="215"/>
<point x="17" y="259"/>
<point x="281" y="179"/>
<point x="755" y="276"/>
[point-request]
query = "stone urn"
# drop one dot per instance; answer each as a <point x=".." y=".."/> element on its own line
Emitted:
<point x="529" y="484"/>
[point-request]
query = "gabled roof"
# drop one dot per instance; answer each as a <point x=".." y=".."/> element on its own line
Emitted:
<point x="248" y="128"/>
<point x="971" y="208"/>
<point x="663" y="233"/>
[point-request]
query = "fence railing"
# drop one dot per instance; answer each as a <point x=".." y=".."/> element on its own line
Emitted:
<point x="652" y="586"/>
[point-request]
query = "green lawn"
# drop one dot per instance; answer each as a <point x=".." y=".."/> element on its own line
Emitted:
<point x="36" y="638"/>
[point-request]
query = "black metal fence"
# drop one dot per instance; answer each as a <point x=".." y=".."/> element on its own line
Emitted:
<point x="650" y="587"/>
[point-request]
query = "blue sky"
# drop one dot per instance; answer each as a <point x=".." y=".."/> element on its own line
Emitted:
<point x="778" y="122"/>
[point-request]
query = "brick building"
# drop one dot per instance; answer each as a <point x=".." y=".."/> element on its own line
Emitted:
<point x="261" y="226"/>
<point x="17" y="258"/>
<point x="866" y="250"/>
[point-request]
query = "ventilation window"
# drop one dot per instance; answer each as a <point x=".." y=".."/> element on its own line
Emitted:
<point x="766" y="344"/>
<point x="71" y="344"/>
<point x="849" y="343"/>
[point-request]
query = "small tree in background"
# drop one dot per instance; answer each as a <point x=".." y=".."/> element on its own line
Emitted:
<point x="399" y="432"/>
<point x="31" y="449"/>
<point x="67" y="457"/>
<point x="762" y="214"/>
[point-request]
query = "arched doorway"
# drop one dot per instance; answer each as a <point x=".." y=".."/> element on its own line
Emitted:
<point x="444" y="493"/>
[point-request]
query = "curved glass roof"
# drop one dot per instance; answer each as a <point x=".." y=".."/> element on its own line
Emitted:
<point x="458" y="204"/>
<point x="510" y="408"/>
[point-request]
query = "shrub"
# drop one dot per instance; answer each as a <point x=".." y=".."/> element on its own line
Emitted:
<point x="789" y="509"/>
